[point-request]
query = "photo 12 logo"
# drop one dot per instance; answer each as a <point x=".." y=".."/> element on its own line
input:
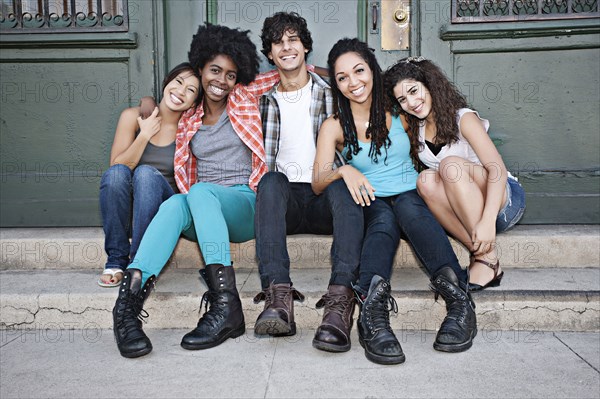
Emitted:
<point x="67" y="92"/>
<point x="69" y="332"/>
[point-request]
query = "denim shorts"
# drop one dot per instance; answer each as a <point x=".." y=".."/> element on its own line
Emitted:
<point x="513" y="208"/>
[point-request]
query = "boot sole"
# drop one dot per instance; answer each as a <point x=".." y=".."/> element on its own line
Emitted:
<point x="274" y="327"/>
<point x="132" y="355"/>
<point x="232" y="334"/>
<point x="379" y="359"/>
<point x="454" y="348"/>
<point x="327" y="347"/>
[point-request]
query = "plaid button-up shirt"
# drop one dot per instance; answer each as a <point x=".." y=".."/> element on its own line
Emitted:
<point x="320" y="109"/>
<point x="242" y="108"/>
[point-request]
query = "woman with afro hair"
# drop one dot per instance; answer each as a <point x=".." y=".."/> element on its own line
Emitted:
<point x="466" y="185"/>
<point x="381" y="177"/>
<point x="219" y="160"/>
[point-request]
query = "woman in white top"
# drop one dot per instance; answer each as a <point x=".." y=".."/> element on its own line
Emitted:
<point x="466" y="185"/>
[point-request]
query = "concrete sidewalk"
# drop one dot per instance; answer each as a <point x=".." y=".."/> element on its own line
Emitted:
<point x="501" y="364"/>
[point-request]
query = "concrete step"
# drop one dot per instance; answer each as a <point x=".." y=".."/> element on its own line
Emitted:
<point x="559" y="299"/>
<point x="82" y="248"/>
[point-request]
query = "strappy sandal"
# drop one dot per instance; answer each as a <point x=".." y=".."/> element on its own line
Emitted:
<point x="112" y="273"/>
<point x="495" y="282"/>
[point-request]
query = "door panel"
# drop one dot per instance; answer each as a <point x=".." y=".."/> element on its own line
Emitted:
<point x="328" y="21"/>
<point x="384" y="30"/>
<point x="61" y="97"/>
<point x="183" y="19"/>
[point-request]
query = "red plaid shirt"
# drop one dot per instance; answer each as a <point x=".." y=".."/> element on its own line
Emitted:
<point x="242" y="108"/>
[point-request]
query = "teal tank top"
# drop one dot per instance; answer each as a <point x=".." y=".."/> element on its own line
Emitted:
<point x="388" y="177"/>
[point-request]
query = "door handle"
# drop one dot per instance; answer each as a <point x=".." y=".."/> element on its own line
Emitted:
<point x="374" y="15"/>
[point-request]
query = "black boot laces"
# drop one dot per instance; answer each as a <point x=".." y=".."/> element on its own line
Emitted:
<point x="380" y="312"/>
<point x="132" y="312"/>
<point x="457" y="303"/>
<point x="214" y="314"/>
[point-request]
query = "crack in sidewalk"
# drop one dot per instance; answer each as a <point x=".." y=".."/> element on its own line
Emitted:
<point x="271" y="369"/>
<point x="576" y="354"/>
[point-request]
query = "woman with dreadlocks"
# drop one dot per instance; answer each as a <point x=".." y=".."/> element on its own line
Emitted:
<point x="381" y="177"/>
<point x="466" y="185"/>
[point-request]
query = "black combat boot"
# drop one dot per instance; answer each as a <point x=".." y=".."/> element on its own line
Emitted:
<point x="128" y="314"/>
<point x="277" y="318"/>
<point x="333" y="335"/>
<point x="224" y="319"/>
<point x="460" y="325"/>
<point x="374" y="331"/>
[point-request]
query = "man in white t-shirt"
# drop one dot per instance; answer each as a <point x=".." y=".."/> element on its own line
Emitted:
<point x="292" y="113"/>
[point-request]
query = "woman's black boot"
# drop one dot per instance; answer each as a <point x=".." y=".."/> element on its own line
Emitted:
<point x="128" y="314"/>
<point x="460" y="325"/>
<point x="224" y="319"/>
<point x="374" y="331"/>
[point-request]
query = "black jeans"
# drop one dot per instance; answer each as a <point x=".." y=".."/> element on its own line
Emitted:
<point x="284" y="208"/>
<point x="403" y="216"/>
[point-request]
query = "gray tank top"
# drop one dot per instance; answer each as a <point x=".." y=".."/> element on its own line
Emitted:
<point x="222" y="157"/>
<point x="162" y="159"/>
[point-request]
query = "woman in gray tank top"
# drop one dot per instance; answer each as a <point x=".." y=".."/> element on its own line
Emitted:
<point x="141" y="174"/>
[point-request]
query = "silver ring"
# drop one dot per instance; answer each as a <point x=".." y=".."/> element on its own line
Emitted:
<point x="361" y="188"/>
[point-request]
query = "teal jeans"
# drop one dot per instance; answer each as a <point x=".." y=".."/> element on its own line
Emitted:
<point x="210" y="214"/>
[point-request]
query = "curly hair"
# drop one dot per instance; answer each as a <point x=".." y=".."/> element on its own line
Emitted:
<point x="377" y="130"/>
<point x="277" y="25"/>
<point x="446" y="100"/>
<point x="173" y="73"/>
<point x="213" y="40"/>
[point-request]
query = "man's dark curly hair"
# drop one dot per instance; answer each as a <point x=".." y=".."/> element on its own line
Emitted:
<point x="213" y="40"/>
<point x="278" y="24"/>
<point x="446" y="100"/>
<point x="377" y="130"/>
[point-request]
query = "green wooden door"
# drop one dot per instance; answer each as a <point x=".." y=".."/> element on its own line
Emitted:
<point x="61" y="96"/>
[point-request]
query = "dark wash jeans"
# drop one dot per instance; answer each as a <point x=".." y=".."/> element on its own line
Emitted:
<point x="284" y="208"/>
<point x="403" y="216"/>
<point x="129" y="199"/>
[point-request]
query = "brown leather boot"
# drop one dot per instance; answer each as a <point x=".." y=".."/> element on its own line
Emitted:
<point x="277" y="319"/>
<point x="333" y="335"/>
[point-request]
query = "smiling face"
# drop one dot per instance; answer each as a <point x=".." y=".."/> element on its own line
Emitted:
<point x="413" y="97"/>
<point x="181" y="92"/>
<point x="289" y="53"/>
<point x="353" y="77"/>
<point x="219" y="75"/>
